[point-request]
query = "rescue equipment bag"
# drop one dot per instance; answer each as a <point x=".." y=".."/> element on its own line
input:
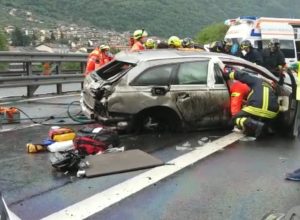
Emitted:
<point x="35" y="148"/>
<point x="66" y="161"/>
<point x="93" y="139"/>
<point x="62" y="134"/>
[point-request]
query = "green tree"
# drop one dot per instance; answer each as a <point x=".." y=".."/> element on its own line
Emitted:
<point x="3" y="47"/>
<point x="18" y="38"/>
<point x="3" y="42"/>
<point x="211" y="33"/>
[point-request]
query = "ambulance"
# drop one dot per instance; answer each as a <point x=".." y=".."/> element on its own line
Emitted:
<point x="260" y="30"/>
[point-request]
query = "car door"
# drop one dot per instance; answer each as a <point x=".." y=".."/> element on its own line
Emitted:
<point x="200" y="93"/>
<point x="150" y="89"/>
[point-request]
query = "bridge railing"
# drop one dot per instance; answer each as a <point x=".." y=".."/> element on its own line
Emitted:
<point x="40" y="69"/>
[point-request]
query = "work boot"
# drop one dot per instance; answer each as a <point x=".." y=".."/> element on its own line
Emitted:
<point x="295" y="176"/>
<point x="254" y="127"/>
<point x="259" y="129"/>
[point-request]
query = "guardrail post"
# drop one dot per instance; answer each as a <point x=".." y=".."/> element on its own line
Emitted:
<point x="82" y="69"/>
<point x="58" y="72"/>
<point x="30" y="89"/>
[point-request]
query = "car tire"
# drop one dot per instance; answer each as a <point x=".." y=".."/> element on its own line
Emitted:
<point x="157" y="120"/>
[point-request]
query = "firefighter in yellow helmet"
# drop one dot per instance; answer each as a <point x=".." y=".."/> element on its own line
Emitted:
<point x="174" y="42"/>
<point x="139" y="39"/>
<point x="150" y="44"/>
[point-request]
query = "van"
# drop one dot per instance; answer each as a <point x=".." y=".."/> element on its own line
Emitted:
<point x="260" y="30"/>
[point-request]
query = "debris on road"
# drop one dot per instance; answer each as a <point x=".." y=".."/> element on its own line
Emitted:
<point x="203" y="141"/>
<point x="247" y="138"/>
<point x="186" y="146"/>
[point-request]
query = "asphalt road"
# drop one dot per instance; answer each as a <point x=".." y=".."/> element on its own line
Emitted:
<point x="244" y="181"/>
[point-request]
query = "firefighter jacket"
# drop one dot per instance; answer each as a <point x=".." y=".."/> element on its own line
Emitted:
<point x="254" y="56"/>
<point x="93" y="59"/>
<point x="104" y="58"/>
<point x="273" y="60"/>
<point x="137" y="46"/>
<point x="238" y="93"/>
<point x="262" y="100"/>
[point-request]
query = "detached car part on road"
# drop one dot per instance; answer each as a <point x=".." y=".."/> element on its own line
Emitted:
<point x="173" y="89"/>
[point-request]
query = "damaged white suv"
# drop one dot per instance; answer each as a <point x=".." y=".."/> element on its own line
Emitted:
<point x="170" y="89"/>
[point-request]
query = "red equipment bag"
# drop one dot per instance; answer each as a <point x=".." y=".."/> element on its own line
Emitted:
<point x="95" y="138"/>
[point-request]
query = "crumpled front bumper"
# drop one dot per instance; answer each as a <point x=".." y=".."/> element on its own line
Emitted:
<point x="124" y="120"/>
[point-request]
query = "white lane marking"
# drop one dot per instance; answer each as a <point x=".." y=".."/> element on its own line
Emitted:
<point x="102" y="200"/>
<point x="18" y="128"/>
<point x="41" y="98"/>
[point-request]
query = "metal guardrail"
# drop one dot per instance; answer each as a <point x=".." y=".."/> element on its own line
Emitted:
<point x="7" y="56"/>
<point x="15" y="81"/>
<point x="34" y="72"/>
<point x="27" y="77"/>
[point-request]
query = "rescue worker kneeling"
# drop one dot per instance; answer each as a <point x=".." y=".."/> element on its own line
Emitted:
<point x="261" y="105"/>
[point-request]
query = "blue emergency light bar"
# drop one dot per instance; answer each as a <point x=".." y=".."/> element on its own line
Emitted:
<point x="249" y="17"/>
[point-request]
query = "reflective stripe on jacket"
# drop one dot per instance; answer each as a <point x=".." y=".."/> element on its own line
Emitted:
<point x="262" y="100"/>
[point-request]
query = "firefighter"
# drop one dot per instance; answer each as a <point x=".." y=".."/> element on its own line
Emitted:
<point x="139" y="40"/>
<point x="104" y="56"/>
<point x="217" y="47"/>
<point x="93" y="59"/>
<point x="261" y="106"/>
<point x="150" y="44"/>
<point x="162" y="44"/>
<point x="227" y="46"/>
<point x="251" y="54"/>
<point x="174" y="42"/>
<point x="188" y="43"/>
<point x="238" y="90"/>
<point x="273" y="58"/>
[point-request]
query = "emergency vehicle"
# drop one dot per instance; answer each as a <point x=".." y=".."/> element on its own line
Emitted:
<point x="260" y="30"/>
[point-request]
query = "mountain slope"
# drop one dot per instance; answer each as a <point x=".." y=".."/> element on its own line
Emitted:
<point x="158" y="17"/>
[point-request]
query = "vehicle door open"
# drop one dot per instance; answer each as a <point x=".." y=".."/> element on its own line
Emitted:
<point x="200" y="97"/>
